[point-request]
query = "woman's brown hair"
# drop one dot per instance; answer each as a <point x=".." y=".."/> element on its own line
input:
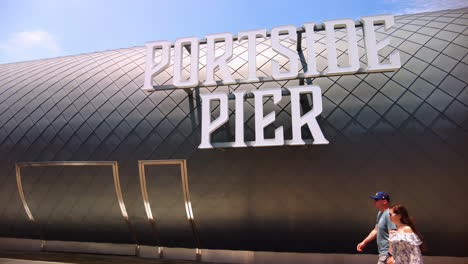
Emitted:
<point x="409" y="221"/>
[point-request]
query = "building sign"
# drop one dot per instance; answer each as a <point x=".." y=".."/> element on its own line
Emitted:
<point x="219" y="64"/>
<point x="261" y="121"/>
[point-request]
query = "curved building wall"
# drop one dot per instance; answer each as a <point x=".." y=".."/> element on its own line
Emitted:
<point x="405" y="132"/>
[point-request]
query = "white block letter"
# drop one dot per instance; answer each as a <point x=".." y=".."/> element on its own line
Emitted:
<point x="290" y="54"/>
<point x="262" y="121"/>
<point x="152" y="69"/>
<point x="239" y="119"/>
<point x="311" y="61"/>
<point x="178" y="58"/>
<point x="353" y="55"/>
<point x="373" y="47"/>
<point x="251" y="36"/>
<point x="209" y="126"/>
<point x="212" y="62"/>
<point x="309" y="118"/>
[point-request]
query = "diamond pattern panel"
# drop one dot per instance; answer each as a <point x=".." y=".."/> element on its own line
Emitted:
<point x="71" y="203"/>
<point x="167" y="205"/>
<point x="404" y="131"/>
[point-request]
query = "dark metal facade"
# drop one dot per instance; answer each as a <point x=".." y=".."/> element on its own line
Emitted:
<point x="405" y="132"/>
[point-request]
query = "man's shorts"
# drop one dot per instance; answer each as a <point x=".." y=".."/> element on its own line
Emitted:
<point x="382" y="259"/>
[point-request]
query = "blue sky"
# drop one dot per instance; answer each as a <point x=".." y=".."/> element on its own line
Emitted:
<point x="35" y="29"/>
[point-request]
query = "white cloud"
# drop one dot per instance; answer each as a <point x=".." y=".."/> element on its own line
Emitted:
<point x="29" y="45"/>
<point x="420" y="6"/>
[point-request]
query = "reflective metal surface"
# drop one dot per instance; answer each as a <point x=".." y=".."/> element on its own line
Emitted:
<point x="115" y="172"/>
<point x="186" y="193"/>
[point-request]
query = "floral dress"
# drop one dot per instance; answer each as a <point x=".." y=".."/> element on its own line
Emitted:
<point x="405" y="248"/>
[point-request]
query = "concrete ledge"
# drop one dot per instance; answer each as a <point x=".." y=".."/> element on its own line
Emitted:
<point x="444" y="260"/>
<point x="307" y="258"/>
<point x="179" y="253"/>
<point x="90" y="247"/>
<point x="207" y="255"/>
<point x="22" y="261"/>
<point x="149" y="252"/>
<point x="20" y="244"/>
<point x="227" y="256"/>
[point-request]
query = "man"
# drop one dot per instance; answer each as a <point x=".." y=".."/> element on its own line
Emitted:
<point x="381" y="229"/>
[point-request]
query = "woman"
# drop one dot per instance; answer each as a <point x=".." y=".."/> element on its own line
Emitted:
<point x="405" y="244"/>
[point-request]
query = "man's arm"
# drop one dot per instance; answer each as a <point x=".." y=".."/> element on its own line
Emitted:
<point x="391" y="228"/>
<point x="368" y="239"/>
<point x="390" y="259"/>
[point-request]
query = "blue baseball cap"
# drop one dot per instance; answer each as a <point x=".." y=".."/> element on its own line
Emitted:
<point x="381" y="196"/>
